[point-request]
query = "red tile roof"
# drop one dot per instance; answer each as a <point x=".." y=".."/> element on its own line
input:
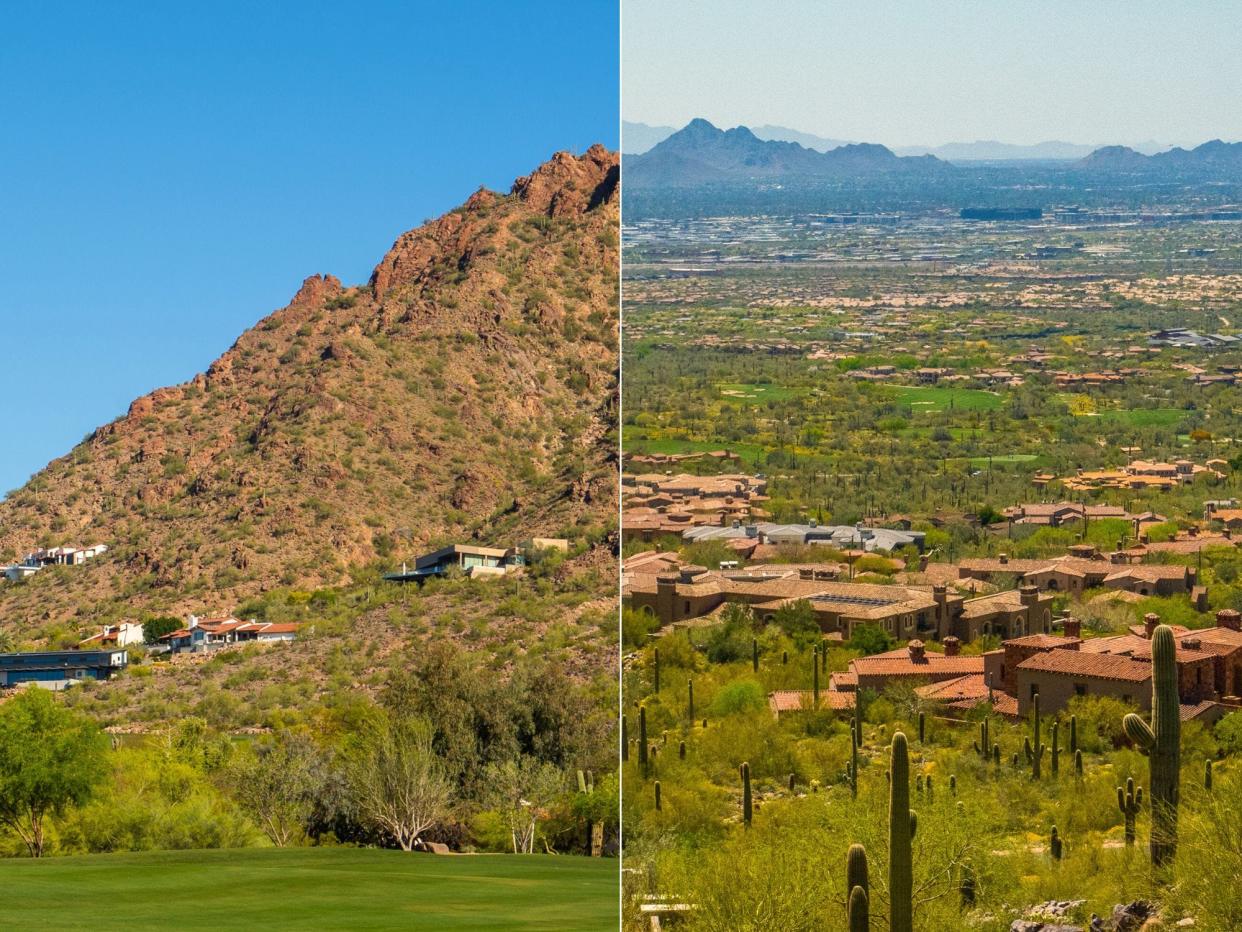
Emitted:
<point x="1092" y="665"/>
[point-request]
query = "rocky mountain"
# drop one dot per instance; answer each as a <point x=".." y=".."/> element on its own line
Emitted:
<point x="1214" y="158"/>
<point x="701" y="153"/>
<point x="465" y="392"/>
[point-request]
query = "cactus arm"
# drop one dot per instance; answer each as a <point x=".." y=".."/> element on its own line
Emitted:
<point x="1138" y="731"/>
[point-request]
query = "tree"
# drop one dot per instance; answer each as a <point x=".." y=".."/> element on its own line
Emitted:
<point x="397" y="782"/>
<point x="155" y="628"/>
<point x="523" y="790"/>
<point x="870" y="639"/>
<point x="50" y="758"/>
<point x="279" y="784"/>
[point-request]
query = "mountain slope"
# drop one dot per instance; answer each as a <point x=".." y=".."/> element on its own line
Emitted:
<point x="700" y="154"/>
<point x="1214" y="158"/>
<point x="465" y="392"/>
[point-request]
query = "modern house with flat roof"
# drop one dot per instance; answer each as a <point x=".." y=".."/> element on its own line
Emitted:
<point x="56" y="669"/>
<point x="472" y="561"/>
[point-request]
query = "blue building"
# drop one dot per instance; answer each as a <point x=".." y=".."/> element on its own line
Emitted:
<point x="58" y="668"/>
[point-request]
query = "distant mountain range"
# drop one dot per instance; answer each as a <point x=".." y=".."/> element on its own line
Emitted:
<point x="1211" y="157"/>
<point x="638" y="138"/>
<point x="701" y="153"/>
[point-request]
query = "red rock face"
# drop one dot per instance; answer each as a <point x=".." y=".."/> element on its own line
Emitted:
<point x="424" y="401"/>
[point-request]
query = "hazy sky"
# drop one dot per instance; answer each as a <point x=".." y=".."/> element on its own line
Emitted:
<point x="169" y="173"/>
<point x="927" y="72"/>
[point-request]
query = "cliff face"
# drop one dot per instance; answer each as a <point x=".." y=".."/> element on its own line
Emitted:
<point x="465" y="392"/>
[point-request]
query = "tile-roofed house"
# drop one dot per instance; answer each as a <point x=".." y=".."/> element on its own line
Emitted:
<point x="801" y="700"/>
<point x="912" y="663"/>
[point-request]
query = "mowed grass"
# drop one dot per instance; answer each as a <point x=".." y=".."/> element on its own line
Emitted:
<point x="745" y="391"/>
<point x="1146" y="417"/>
<point x="932" y="398"/>
<point x="634" y="442"/>
<point x="308" y="888"/>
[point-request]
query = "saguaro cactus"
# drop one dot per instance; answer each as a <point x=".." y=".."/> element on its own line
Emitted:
<point x="793" y="782"/>
<point x="625" y="739"/>
<point x="657" y="795"/>
<point x="901" y="827"/>
<point x="656" y="675"/>
<point x="754" y="655"/>
<point x="1129" y="801"/>
<point x="1207" y="775"/>
<point x="642" y="739"/>
<point x="857" y="889"/>
<point x="952" y="784"/>
<point x="1161" y="740"/>
<point x="858" y="719"/>
<point x="1073" y="744"/>
<point x="747" y="810"/>
<point x="1034" y="749"/>
<point x="1056" y="750"/>
<point x="966" y="886"/>
<point x="1078" y="763"/>
<point x="853" y="764"/>
<point x="815" y="680"/>
<point x="690" y="701"/>
<point x="1054" y="844"/>
<point x="681" y="750"/>
<point x="983" y="747"/>
<point x="922" y="727"/>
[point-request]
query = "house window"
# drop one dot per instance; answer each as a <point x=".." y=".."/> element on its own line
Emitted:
<point x="1080" y="689"/>
<point x="687" y="607"/>
<point x="1034" y="690"/>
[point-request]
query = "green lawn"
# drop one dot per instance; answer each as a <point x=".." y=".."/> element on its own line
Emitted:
<point x="931" y="398"/>
<point x="308" y="888"/>
<point x="745" y="391"/>
<point x="1146" y="417"/>
<point x="635" y="442"/>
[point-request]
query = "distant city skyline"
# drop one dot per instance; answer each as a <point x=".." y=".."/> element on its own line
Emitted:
<point x="926" y="73"/>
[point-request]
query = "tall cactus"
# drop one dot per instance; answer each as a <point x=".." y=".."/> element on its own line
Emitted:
<point x="901" y="826"/>
<point x="852" y="767"/>
<point x="657" y="795"/>
<point x="1034" y="749"/>
<point x="815" y="680"/>
<point x="858" y="723"/>
<point x="747" y="803"/>
<point x="922" y="728"/>
<point x="690" y="701"/>
<point x="1078" y="763"/>
<point x="857" y="889"/>
<point x="983" y="747"/>
<point x="1161" y="740"/>
<point x="656" y="675"/>
<point x="642" y="739"/>
<point x="1054" y="844"/>
<point x="754" y="655"/>
<point x="1207" y="775"/>
<point x="1056" y="749"/>
<point x="1073" y="744"/>
<point x="1129" y="801"/>
<point x="625" y="739"/>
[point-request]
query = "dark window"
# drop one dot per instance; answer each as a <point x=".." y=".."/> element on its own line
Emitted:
<point x="1034" y="690"/>
<point x="687" y="607"/>
<point x="1080" y="689"/>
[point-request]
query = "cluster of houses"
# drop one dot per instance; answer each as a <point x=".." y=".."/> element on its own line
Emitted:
<point x="1137" y="475"/>
<point x="658" y="505"/>
<point x="1055" y="666"/>
<point x="51" y="556"/>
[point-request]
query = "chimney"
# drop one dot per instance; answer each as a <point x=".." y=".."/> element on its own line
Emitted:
<point x="917" y="653"/>
<point x="952" y="646"/>
<point x="1229" y="618"/>
<point x="1150" y="620"/>
<point x="813" y="523"/>
<point x="1028" y="595"/>
<point x="1072" y="627"/>
<point x="1004" y="558"/>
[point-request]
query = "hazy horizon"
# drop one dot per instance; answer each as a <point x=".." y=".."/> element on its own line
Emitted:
<point x="924" y="74"/>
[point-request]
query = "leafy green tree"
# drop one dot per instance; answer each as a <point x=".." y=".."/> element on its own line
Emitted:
<point x="51" y="758"/>
<point x="279" y="784"/>
<point x="522" y="790"/>
<point x="155" y="628"/>
<point x="398" y="784"/>
<point x="871" y="639"/>
<point x="797" y="622"/>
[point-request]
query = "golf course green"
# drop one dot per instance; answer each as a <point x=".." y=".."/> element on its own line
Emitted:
<point x="308" y="888"/>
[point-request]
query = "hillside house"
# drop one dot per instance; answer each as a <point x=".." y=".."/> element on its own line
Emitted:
<point x="203" y="634"/>
<point x="58" y="669"/>
<point x="111" y="636"/>
<point x="472" y="561"/>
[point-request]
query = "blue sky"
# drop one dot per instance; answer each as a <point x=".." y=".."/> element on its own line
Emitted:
<point x="927" y="72"/>
<point x="167" y="179"/>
